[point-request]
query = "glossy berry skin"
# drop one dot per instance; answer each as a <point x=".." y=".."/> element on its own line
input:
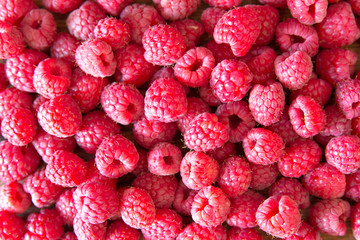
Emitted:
<point x="347" y="97"/>
<point x="47" y="224"/>
<point x="13" y="198"/>
<point x="12" y="227"/>
<point x="11" y="41"/>
<point x="120" y="230"/>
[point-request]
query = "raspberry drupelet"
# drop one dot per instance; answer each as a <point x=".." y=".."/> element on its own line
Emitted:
<point x="208" y="96"/>
<point x="11" y="41"/>
<point x="196" y="231"/>
<point x="64" y="47"/>
<point x="225" y="151"/>
<point x="12" y="98"/>
<point x="318" y="89"/>
<point x="191" y="30"/>
<point x="210" y="16"/>
<point x="65" y="205"/>
<point x="120" y="230"/>
<point x="306" y="231"/>
<point x="13" y="198"/>
<point x="352" y="190"/>
<point x="164" y="159"/>
<point x="223" y="4"/>
<point x="220" y="51"/>
<point x="94" y="175"/>
<point x="88" y="231"/>
<point x="263" y="176"/>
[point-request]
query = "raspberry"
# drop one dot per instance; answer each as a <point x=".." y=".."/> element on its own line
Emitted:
<point x="355" y="123"/>
<point x="68" y="236"/>
<point x="223" y="4"/>
<point x="208" y="96"/>
<point x="352" y="190"/>
<point x="163" y="44"/>
<point x="294" y="36"/>
<point x="243" y="209"/>
<point x="134" y="214"/>
<point x="275" y="3"/>
<point x="205" y="133"/>
<point x="225" y="151"/>
<point x="244" y="233"/>
<point x="20" y="69"/>
<point x="308" y="13"/>
<point x="263" y="147"/>
<point x="238" y="27"/>
<point x="164" y="159"/>
<point x="46" y="144"/>
<point x="329" y="216"/>
<point x="93" y="175"/>
<point x="167" y="225"/>
<point x="263" y="176"/>
<point x="196" y="231"/>
<point x="141" y="166"/>
<point x="331" y="184"/>
<point x="234" y="176"/>
<point x="113" y="7"/>
<point x="132" y="67"/>
<point x="184" y="198"/>
<point x="19" y="126"/>
<point x="140" y="17"/>
<point x="148" y="133"/>
<point x="17" y="162"/>
<point x="13" y="198"/>
<point x="293" y="69"/>
<point x="354" y="218"/>
<point x="60" y="116"/>
<point x="306" y="231"/>
<point x="165" y="100"/>
<point x="220" y="51"/>
<point x="318" y="89"/>
<point x="65" y="205"/>
<point x="209" y="17"/>
<point x="194" y="68"/>
<point x="13" y="10"/>
<point x="60" y="6"/>
<point x="11" y="41"/>
<point x="88" y="231"/>
<point x="45" y="225"/>
<point x="198" y="170"/>
<point x="339" y="27"/>
<point x="347" y="97"/>
<point x="176" y="10"/>
<point x="279" y="216"/>
<point x="191" y="31"/>
<point x="335" y="64"/>
<point x="64" y="47"/>
<point x="52" y="77"/>
<point x="82" y="21"/>
<point x="355" y="6"/>
<point x="12" y="227"/>
<point x="120" y="230"/>
<point x="4" y="81"/>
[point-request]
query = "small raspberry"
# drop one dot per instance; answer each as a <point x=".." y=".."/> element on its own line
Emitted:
<point x="220" y="51"/>
<point x="11" y="41"/>
<point x="60" y="6"/>
<point x="45" y="225"/>
<point x="279" y="216"/>
<point x="244" y="233"/>
<point x="223" y="4"/>
<point x="352" y="190"/>
<point x="209" y="17"/>
<point x="13" y="198"/>
<point x="64" y="47"/>
<point x="113" y="7"/>
<point x="225" y="151"/>
<point x="354" y="218"/>
<point x="263" y="176"/>
<point x="176" y="10"/>
<point x="120" y="230"/>
<point x="13" y="10"/>
<point x="208" y="96"/>
<point x="306" y="231"/>
<point x="164" y="159"/>
<point x="191" y="30"/>
<point x="318" y="89"/>
<point x="12" y="227"/>
<point x="347" y="95"/>
<point x="65" y="205"/>
<point x="184" y="198"/>
<point x="310" y="12"/>
<point x="88" y="231"/>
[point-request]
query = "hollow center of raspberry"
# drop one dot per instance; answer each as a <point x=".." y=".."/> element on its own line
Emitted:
<point x="104" y="60"/>
<point x="355" y="105"/>
<point x="131" y="108"/>
<point x="196" y="65"/>
<point x="252" y="143"/>
<point x="312" y="10"/>
<point x="297" y="39"/>
<point x="234" y="121"/>
<point x="168" y="160"/>
<point x="55" y="71"/>
<point x="36" y="24"/>
<point x="18" y="197"/>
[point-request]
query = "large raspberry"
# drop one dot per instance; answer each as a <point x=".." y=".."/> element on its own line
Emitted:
<point x="12" y="227"/>
<point x="11" y="41"/>
<point x="263" y="176"/>
<point x="210" y="16"/>
<point x="309" y="12"/>
<point x="13" y="10"/>
<point x="13" y="198"/>
<point x="45" y="225"/>
<point x="164" y="159"/>
<point x="88" y="231"/>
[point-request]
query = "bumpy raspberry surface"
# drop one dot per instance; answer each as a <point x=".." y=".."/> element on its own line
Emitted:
<point x="194" y="230"/>
<point x="114" y="7"/>
<point x="38" y="101"/>
<point x="11" y="41"/>
<point x="164" y="159"/>
<point x="306" y="231"/>
<point x="244" y="233"/>
<point x="310" y="12"/>
<point x="93" y="175"/>
<point x="120" y="230"/>
<point x="208" y="96"/>
<point x="352" y="186"/>
<point x="65" y="205"/>
<point x="13" y="10"/>
<point x="354" y="218"/>
<point x="113" y="31"/>
<point x="45" y="225"/>
<point x="175" y="10"/>
<point x="240" y="28"/>
<point x="64" y="46"/>
<point x="141" y="166"/>
<point x="220" y="51"/>
<point x="347" y="97"/>
<point x="225" y="151"/>
<point x="69" y="236"/>
<point x="13" y="198"/>
<point x="60" y="6"/>
<point x="191" y="30"/>
<point x="210" y="16"/>
<point x="223" y="4"/>
<point x="12" y="227"/>
<point x="88" y="231"/>
<point x="184" y="198"/>
<point x="318" y="89"/>
<point x="263" y="176"/>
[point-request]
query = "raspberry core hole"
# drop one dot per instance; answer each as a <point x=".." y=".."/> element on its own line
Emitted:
<point x="234" y="121"/>
<point x="36" y="24"/>
<point x="297" y="39"/>
<point x="103" y="60"/>
<point x="168" y="160"/>
<point x="18" y="197"/>
<point x="252" y="144"/>
<point x="355" y="105"/>
<point x="196" y="65"/>
<point x="312" y="10"/>
<point x="55" y="71"/>
<point x="131" y="108"/>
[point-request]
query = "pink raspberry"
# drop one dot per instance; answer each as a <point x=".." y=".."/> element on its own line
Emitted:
<point x="165" y="100"/>
<point x="12" y="227"/>
<point x="275" y="3"/>
<point x="11" y="41"/>
<point x="184" y="198"/>
<point x="52" y="77"/>
<point x="300" y="157"/>
<point x="244" y="233"/>
<point x="223" y="4"/>
<point x="279" y="216"/>
<point x="335" y="64"/>
<point x="198" y="170"/>
<point x="293" y="69"/>
<point x="339" y="27"/>
<point x="64" y="47"/>
<point x="88" y="231"/>
<point x="17" y="162"/>
<point x="13" y="10"/>
<point x="310" y="12"/>
<point x="65" y="205"/>
<point x="210" y="16"/>
<point x="347" y="97"/>
<point x="60" y="6"/>
<point x="354" y="218"/>
<point x="220" y="51"/>
<point x="238" y="27"/>
<point x="234" y="176"/>
<point x="60" y="116"/>
<point x="191" y="30"/>
<point x="210" y="207"/>
<point x="163" y="44"/>
<point x="45" y="225"/>
<point x="19" y="127"/>
<point x="113" y="7"/>
<point x="329" y="216"/>
<point x="167" y="225"/>
<point x="294" y="36"/>
<point x="176" y="10"/>
<point x="132" y="67"/>
<point x="318" y="89"/>
<point x="20" y="69"/>
<point x="164" y="159"/>
<point x="120" y="230"/>
<point x="122" y="102"/>
<point x="205" y="133"/>
<point x="196" y="231"/>
<point x="230" y="80"/>
<point x="263" y="176"/>
<point x="116" y="156"/>
<point x="140" y="17"/>
<point x="261" y="146"/>
<point x="194" y="68"/>
<point x="82" y="21"/>
<point x="13" y="198"/>
<point x="134" y="214"/>
<point x="208" y="96"/>
<point x="352" y="190"/>
<point x="306" y="231"/>
<point x="331" y="186"/>
<point x="243" y="209"/>
<point x="225" y="151"/>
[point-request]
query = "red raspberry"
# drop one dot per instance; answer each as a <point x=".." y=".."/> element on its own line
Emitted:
<point x="354" y="218"/>
<point x="93" y="175"/>
<point x="220" y="51"/>
<point x="331" y="184"/>
<point x="140" y="17"/>
<point x="267" y="102"/>
<point x="52" y="77"/>
<point x="20" y="69"/>
<point x="13" y="198"/>
<point x="194" y="68"/>
<point x="198" y="170"/>
<point x="352" y="190"/>
<point x="225" y="151"/>
<point x="113" y="7"/>
<point x="205" y="133"/>
<point x="11" y="41"/>
<point x="132" y="67"/>
<point x="339" y="27"/>
<point x="165" y="100"/>
<point x="4" y="81"/>
<point x="243" y="209"/>
<point x="166" y="51"/>
<point x="45" y="225"/>
<point x="347" y="95"/>
<point x="306" y="231"/>
<point x="238" y="27"/>
<point x="88" y="231"/>
<point x="294" y="36"/>
<point x="13" y="10"/>
<point x="12" y="227"/>
<point x="209" y="17"/>
<point x="335" y="64"/>
<point x="60" y="116"/>
<point x="308" y="13"/>
<point x="244" y="233"/>
<point x="60" y="6"/>
<point x="355" y="6"/>
<point x="191" y="30"/>
<point x="17" y="162"/>
<point x="65" y="205"/>
<point x="318" y="89"/>
<point x="223" y="4"/>
<point x="82" y="21"/>
<point x="208" y="96"/>
<point x="69" y="236"/>
<point x="263" y="176"/>
<point x="300" y="157"/>
<point x="19" y="126"/>
<point x="234" y="176"/>
<point x="64" y="47"/>
<point x="120" y="230"/>
<point x="293" y="69"/>
<point x="329" y="216"/>
<point x="261" y="146"/>
<point x="164" y="159"/>
<point x="279" y="216"/>
<point x="184" y="198"/>
<point x="176" y="10"/>
<point x="167" y="225"/>
<point x="196" y="231"/>
<point x="148" y="133"/>
<point x="141" y="166"/>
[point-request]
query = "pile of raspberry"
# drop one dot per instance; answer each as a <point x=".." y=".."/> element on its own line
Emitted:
<point x="186" y="119"/>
